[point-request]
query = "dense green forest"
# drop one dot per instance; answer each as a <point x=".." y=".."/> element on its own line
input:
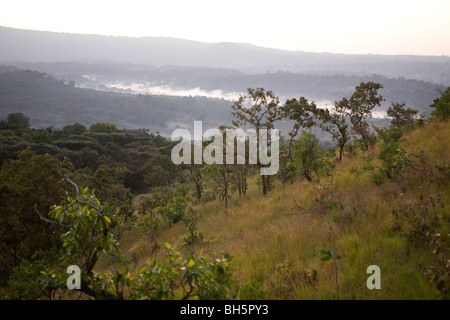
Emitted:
<point x="112" y="202"/>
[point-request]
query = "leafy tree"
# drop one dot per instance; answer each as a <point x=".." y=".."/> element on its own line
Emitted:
<point x="107" y="182"/>
<point x="239" y="177"/>
<point x="17" y="121"/>
<point x="74" y="129"/>
<point x="359" y="107"/>
<point x="441" y="106"/>
<point x="303" y="113"/>
<point x="287" y="171"/>
<point x="194" y="175"/>
<point x="159" y="171"/>
<point x="401" y="116"/>
<point x="392" y="155"/>
<point x="29" y="186"/>
<point x="260" y="109"/>
<point x="335" y="123"/>
<point x="307" y="152"/>
<point x="103" y="127"/>
<point x="221" y="176"/>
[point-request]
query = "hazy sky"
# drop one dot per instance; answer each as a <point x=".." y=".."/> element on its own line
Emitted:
<point x="347" y="26"/>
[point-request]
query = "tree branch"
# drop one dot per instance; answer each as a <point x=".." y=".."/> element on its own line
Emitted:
<point x="47" y="220"/>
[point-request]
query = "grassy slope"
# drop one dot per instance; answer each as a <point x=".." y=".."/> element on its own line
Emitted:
<point x="265" y="233"/>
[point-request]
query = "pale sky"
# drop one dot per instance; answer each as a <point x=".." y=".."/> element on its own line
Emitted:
<point x="419" y="27"/>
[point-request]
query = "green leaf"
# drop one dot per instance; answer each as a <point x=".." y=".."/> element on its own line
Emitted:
<point x="326" y="252"/>
<point x="191" y="263"/>
<point x="326" y="258"/>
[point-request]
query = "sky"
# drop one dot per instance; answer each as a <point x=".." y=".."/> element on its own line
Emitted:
<point x="335" y="26"/>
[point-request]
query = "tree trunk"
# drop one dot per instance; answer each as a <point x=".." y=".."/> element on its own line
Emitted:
<point x="225" y="191"/>
<point x="290" y="156"/>
<point x="366" y="145"/>
<point x="307" y="176"/>
<point x="199" y="190"/>
<point x="264" y="187"/>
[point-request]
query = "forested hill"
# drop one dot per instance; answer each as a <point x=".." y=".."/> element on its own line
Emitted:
<point x="51" y="102"/>
<point x="179" y="80"/>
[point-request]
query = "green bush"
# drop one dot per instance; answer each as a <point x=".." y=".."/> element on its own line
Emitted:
<point x="103" y="127"/>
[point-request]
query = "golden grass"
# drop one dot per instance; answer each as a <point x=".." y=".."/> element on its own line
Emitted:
<point x="263" y="233"/>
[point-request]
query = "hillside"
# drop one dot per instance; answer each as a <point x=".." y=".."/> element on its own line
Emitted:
<point x="140" y="225"/>
<point x="228" y="83"/>
<point x="276" y="240"/>
<point x="51" y="102"/>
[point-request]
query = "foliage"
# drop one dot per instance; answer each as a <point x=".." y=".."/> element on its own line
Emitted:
<point x="292" y="278"/>
<point x="359" y="107"/>
<point x="158" y="171"/>
<point x="17" y="121"/>
<point x="192" y="235"/>
<point x="174" y="211"/>
<point x="28" y="185"/>
<point x="335" y="123"/>
<point x="103" y="127"/>
<point x="401" y="116"/>
<point x="307" y="153"/>
<point x="25" y="282"/>
<point x="263" y="112"/>
<point x="221" y="177"/>
<point x="76" y="129"/>
<point x="195" y="277"/>
<point x="89" y="236"/>
<point x="392" y="155"/>
<point x="441" y="106"/>
<point x="426" y="223"/>
<point x="332" y="254"/>
<point x="303" y="113"/>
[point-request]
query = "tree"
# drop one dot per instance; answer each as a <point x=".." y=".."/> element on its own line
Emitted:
<point x="307" y="152"/>
<point x="441" y="106"/>
<point x="194" y="174"/>
<point x="107" y="182"/>
<point x="103" y="127"/>
<point x="159" y="171"/>
<point x="303" y="113"/>
<point x="28" y="186"/>
<point x="74" y="129"/>
<point x="17" y="121"/>
<point x="260" y="109"/>
<point x="222" y="176"/>
<point x="335" y="123"/>
<point x="359" y="108"/>
<point x="401" y="116"/>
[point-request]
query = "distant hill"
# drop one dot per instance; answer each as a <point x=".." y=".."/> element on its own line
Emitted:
<point x="228" y="83"/>
<point x="48" y="101"/>
<point x="38" y="46"/>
